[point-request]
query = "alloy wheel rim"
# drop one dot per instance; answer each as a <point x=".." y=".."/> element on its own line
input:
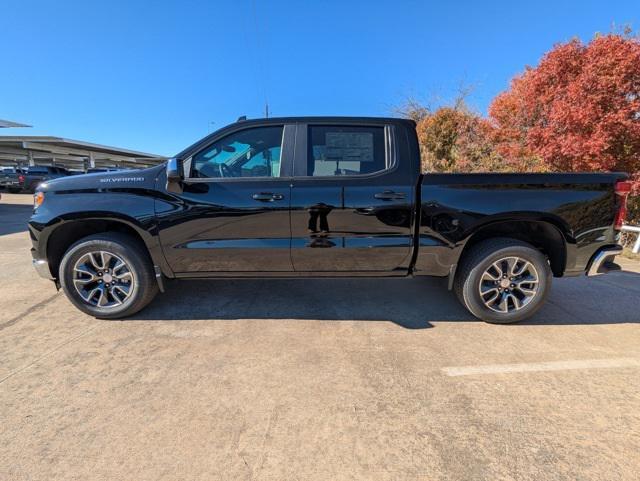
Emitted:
<point x="509" y="284"/>
<point x="103" y="279"/>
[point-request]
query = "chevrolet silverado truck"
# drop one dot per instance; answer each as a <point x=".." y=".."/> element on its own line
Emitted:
<point x="322" y="197"/>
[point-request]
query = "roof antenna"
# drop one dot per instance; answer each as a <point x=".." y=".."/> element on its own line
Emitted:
<point x="242" y="118"/>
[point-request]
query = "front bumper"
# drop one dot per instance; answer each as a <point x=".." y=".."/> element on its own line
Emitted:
<point x="42" y="268"/>
<point x="602" y="261"/>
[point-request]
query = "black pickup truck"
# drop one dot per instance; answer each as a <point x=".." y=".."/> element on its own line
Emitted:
<point x="322" y="197"/>
<point x="31" y="177"/>
<point x="9" y="178"/>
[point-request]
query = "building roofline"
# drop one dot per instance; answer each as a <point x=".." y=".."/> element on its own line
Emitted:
<point x="62" y="142"/>
<point x="9" y="124"/>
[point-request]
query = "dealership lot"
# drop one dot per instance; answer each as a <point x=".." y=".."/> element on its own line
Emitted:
<point x="315" y="379"/>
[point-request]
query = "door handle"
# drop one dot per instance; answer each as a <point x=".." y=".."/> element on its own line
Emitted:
<point x="390" y="195"/>
<point x="267" y="196"/>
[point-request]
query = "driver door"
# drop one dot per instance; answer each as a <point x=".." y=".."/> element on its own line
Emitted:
<point x="233" y="215"/>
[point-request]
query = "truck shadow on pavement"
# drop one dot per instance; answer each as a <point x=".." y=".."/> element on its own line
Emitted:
<point x="409" y="303"/>
<point x="14" y="218"/>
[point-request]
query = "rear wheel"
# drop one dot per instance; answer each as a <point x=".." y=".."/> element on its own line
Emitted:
<point x="108" y="275"/>
<point x="503" y="280"/>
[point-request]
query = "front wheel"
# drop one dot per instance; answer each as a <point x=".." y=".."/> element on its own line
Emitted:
<point x="108" y="275"/>
<point x="503" y="280"/>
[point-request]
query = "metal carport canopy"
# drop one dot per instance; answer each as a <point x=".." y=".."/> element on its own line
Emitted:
<point x="72" y="154"/>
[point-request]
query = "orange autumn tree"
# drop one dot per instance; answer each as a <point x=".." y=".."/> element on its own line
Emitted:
<point x="578" y="110"/>
<point x="453" y="138"/>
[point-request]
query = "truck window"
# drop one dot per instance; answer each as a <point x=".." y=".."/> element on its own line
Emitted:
<point x="248" y="153"/>
<point x="345" y="150"/>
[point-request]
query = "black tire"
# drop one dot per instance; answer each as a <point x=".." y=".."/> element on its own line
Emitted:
<point x="479" y="259"/>
<point x="144" y="285"/>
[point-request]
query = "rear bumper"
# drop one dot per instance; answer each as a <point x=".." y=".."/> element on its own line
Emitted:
<point x="602" y="261"/>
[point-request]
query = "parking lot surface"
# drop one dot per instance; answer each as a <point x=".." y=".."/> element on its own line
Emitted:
<point x="315" y="380"/>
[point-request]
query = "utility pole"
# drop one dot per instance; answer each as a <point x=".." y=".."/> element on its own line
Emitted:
<point x="266" y="110"/>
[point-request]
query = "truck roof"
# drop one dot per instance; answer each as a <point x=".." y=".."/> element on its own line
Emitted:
<point x="327" y="118"/>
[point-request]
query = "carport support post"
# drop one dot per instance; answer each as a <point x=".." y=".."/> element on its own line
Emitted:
<point x="30" y="157"/>
<point x="92" y="161"/>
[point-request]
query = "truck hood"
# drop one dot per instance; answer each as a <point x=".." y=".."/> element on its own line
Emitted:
<point x="126" y="179"/>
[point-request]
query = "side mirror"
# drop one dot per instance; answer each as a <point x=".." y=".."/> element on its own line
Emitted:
<point x="174" y="176"/>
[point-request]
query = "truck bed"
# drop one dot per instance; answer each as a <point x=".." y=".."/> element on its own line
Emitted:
<point x="578" y="207"/>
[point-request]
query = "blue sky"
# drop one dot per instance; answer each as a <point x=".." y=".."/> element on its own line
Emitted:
<point x="156" y="76"/>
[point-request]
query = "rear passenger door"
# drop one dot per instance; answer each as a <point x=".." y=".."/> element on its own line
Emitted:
<point x="351" y="201"/>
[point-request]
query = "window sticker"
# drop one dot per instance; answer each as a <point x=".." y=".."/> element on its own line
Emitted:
<point x="349" y="147"/>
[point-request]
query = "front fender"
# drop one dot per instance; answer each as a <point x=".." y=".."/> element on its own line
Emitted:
<point x="83" y="213"/>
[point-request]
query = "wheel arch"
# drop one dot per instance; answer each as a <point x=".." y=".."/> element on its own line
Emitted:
<point x="64" y="232"/>
<point x="542" y="234"/>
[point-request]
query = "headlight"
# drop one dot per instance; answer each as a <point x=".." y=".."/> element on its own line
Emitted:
<point x="38" y="199"/>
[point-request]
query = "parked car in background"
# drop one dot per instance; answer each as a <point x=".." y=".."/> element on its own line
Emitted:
<point x="323" y="197"/>
<point x="33" y="176"/>
<point x="9" y="178"/>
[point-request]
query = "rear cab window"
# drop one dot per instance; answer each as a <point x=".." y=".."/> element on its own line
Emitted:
<point x="335" y="150"/>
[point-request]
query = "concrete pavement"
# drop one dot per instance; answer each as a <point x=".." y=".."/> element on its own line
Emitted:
<point x="315" y="380"/>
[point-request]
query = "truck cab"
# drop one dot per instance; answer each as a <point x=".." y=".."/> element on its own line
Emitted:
<point x="321" y="196"/>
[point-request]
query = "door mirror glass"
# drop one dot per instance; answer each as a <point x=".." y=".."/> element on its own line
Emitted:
<point x="174" y="176"/>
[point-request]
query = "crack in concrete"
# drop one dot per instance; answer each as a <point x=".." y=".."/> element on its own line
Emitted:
<point x="51" y="351"/>
<point x="30" y="310"/>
